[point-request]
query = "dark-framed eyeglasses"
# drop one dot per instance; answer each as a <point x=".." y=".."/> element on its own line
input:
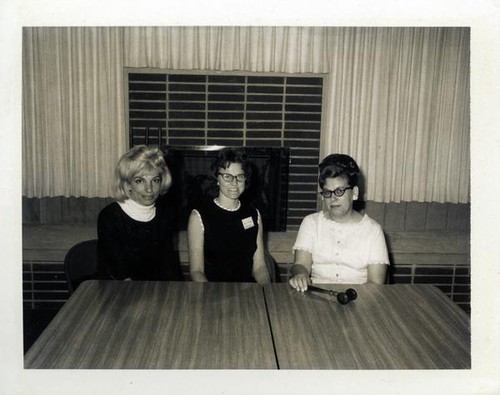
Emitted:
<point x="339" y="192"/>
<point x="229" y="177"/>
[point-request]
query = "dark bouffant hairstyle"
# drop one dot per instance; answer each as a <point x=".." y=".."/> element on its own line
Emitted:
<point x="230" y="155"/>
<point x="338" y="165"/>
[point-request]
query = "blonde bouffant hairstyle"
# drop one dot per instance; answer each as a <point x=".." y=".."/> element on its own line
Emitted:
<point x="134" y="161"/>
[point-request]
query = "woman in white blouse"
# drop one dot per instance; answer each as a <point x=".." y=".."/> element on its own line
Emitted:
<point x="339" y="245"/>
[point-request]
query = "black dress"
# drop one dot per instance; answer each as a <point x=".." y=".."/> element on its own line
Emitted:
<point x="138" y="250"/>
<point x="230" y="241"/>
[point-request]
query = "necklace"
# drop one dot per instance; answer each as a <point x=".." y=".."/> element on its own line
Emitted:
<point x="238" y="205"/>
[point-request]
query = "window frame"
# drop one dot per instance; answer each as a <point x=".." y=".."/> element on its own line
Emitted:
<point x="302" y="198"/>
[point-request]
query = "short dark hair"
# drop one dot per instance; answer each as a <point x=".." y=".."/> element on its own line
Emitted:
<point x="339" y="165"/>
<point x="230" y="155"/>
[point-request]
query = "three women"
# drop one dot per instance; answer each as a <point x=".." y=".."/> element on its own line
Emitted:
<point x="225" y="236"/>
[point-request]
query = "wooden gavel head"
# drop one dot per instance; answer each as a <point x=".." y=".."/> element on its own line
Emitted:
<point x="342" y="297"/>
<point x="347" y="296"/>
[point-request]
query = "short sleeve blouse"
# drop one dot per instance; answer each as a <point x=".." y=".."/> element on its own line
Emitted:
<point x="341" y="252"/>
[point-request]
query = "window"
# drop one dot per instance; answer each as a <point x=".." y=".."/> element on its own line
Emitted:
<point x="186" y="109"/>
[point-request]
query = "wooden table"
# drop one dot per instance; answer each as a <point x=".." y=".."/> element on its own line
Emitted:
<point x="158" y="325"/>
<point x="386" y="327"/>
<point x="166" y="325"/>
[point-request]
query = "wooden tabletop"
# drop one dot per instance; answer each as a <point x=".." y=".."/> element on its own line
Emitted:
<point x="158" y="325"/>
<point x="186" y="325"/>
<point x="386" y="327"/>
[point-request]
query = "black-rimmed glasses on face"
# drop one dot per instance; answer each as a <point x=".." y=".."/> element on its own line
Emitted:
<point x="229" y="177"/>
<point x="339" y="192"/>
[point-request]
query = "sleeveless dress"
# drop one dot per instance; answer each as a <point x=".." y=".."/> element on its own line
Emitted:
<point x="230" y="241"/>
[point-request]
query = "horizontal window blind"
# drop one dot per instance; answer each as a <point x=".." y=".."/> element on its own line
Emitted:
<point x="44" y="285"/>
<point x="453" y="280"/>
<point x="234" y="110"/>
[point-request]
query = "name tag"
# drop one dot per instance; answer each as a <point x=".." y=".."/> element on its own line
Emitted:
<point x="247" y="222"/>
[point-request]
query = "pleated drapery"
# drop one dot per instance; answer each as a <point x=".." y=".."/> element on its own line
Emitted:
<point x="73" y="110"/>
<point x="396" y="99"/>
<point x="398" y="102"/>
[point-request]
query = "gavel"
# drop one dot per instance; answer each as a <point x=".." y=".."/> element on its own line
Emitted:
<point x="342" y="297"/>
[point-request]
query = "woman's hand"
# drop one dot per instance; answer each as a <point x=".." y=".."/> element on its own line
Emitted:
<point x="198" y="277"/>
<point x="301" y="270"/>
<point x="300" y="282"/>
<point x="261" y="275"/>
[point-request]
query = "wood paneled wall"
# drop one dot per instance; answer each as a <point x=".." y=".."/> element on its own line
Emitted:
<point x="392" y="216"/>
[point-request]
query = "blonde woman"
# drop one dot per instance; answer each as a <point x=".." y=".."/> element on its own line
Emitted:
<point x="135" y="233"/>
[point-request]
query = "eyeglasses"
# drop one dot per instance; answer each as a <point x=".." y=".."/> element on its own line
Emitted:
<point x="229" y="177"/>
<point x="339" y="192"/>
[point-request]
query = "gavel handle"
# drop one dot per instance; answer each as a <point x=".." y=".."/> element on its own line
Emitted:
<point x="316" y="289"/>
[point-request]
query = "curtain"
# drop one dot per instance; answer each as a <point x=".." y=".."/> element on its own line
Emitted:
<point x="73" y="115"/>
<point x="399" y="104"/>
<point x="396" y="99"/>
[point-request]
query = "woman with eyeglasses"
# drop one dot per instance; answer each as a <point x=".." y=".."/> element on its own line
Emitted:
<point x="339" y="244"/>
<point x="225" y="236"/>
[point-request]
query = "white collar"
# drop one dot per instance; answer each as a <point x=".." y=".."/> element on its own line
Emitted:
<point x="137" y="211"/>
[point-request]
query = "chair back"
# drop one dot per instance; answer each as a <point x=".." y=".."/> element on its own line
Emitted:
<point x="80" y="263"/>
<point x="271" y="267"/>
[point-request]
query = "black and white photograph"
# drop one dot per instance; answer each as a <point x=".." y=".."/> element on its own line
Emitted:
<point x="289" y="201"/>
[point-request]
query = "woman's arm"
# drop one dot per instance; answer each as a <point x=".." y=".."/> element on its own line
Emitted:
<point x="377" y="273"/>
<point x="301" y="270"/>
<point x="379" y="256"/>
<point x="195" y="248"/>
<point x="259" y="270"/>
<point x="111" y="256"/>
